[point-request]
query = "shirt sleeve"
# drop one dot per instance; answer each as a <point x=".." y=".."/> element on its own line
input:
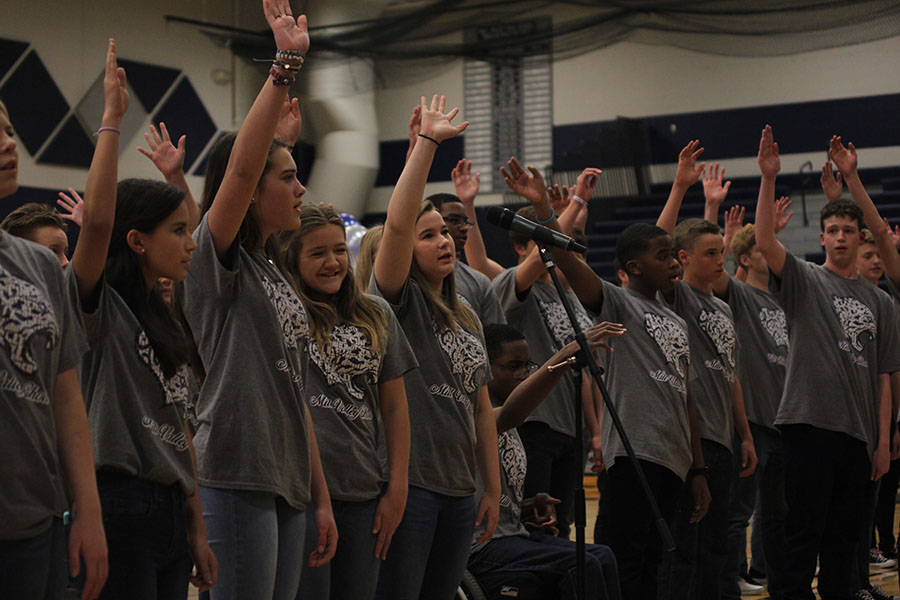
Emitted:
<point x="791" y="288"/>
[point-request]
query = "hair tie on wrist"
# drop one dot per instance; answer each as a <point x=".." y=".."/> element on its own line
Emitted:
<point x="550" y="218"/>
<point x="422" y="135"/>
<point x="579" y="200"/>
<point x="113" y="129"/>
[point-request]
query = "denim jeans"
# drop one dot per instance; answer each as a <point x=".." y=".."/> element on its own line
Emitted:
<point x="552" y="559"/>
<point x="258" y="540"/>
<point x="430" y="548"/>
<point x="826" y="475"/>
<point x="353" y="572"/>
<point x="146" y="537"/>
<point x="763" y="489"/>
<point x="694" y="569"/>
<point x="35" y="567"/>
<point x="553" y="467"/>
<point x="625" y="523"/>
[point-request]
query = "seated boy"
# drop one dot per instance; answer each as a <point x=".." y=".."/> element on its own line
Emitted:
<point x="518" y="385"/>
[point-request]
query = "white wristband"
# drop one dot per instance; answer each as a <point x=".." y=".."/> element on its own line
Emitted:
<point x="579" y="200"/>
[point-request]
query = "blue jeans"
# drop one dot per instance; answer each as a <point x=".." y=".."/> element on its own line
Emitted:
<point x="551" y="558"/>
<point x="430" y="548"/>
<point x="146" y="537"/>
<point x="258" y="540"/>
<point x="694" y="569"/>
<point x="35" y="567"/>
<point x="353" y="572"/>
<point x="766" y="484"/>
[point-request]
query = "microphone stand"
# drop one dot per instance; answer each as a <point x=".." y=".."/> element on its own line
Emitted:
<point x="583" y="358"/>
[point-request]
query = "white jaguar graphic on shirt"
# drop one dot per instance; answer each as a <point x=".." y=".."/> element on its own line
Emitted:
<point x="557" y="321"/>
<point x="348" y="355"/>
<point x="856" y="319"/>
<point x="774" y="322"/>
<point x="24" y="313"/>
<point x="290" y="311"/>
<point x="465" y="352"/>
<point x="513" y="465"/>
<point x="720" y="330"/>
<point x="671" y="338"/>
<point x="175" y="387"/>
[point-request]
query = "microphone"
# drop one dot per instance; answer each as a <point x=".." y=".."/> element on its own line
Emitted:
<point x="507" y="219"/>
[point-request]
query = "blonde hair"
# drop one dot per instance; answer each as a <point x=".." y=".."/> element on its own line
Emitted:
<point x="868" y="238"/>
<point x="365" y="262"/>
<point x="3" y="109"/>
<point x="349" y="305"/>
<point x="444" y="306"/>
<point x="743" y="241"/>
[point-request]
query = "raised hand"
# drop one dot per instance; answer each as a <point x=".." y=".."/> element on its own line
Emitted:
<point x="168" y="158"/>
<point x="415" y="126"/>
<point x="713" y="190"/>
<point x="74" y="204"/>
<point x="559" y="197"/>
<point x="688" y="170"/>
<point x="466" y="186"/>
<point x="584" y="185"/>
<point x="115" y="92"/>
<point x="832" y="183"/>
<point x="436" y="123"/>
<point x="528" y="184"/>
<point x="596" y="333"/>
<point x="734" y="220"/>
<point x="781" y="207"/>
<point x="290" y="33"/>
<point x="290" y="122"/>
<point x="768" y="158"/>
<point x="844" y="158"/>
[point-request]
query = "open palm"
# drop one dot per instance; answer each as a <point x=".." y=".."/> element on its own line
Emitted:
<point x="290" y="33"/>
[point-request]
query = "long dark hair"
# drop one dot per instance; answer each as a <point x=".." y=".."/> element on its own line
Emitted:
<point x="142" y="204"/>
<point x="249" y="234"/>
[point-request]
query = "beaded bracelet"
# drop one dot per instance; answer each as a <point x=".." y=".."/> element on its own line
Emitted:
<point x="579" y="200"/>
<point x="279" y="78"/>
<point x="287" y="66"/>
<point x="289" y="55"/>
<point x="431" y="139"/>
<point x="549" y="219"/>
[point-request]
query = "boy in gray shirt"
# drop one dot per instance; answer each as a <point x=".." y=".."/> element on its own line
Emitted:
<point x="835" y="412"/>
<point x="647" y="377"/>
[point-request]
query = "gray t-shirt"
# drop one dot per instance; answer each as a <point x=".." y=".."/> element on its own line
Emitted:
<point x="714" y="350"/>
<point x="136" y="413"/>
<point x="842" y="337"/>
<point x="476" y="288"/>
<point x="251" y="333"/>
<point x="345" y="406"/>
<point x="513" y="464"/>
<point x="442" y="395"/>
<point x="647" y="380"/>
<point x="763" y="336"/>
<point x="40" y="337"/>
<point x="541" y="317"/>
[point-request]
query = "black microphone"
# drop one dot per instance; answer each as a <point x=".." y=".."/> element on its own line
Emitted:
<point x="507" y="219"/>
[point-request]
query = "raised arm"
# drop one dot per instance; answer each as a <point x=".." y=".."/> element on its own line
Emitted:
<point x="529" y="185"/>
<point x="73" y="204"/>
<point x="394" y="258"/>
<point x="467" y="188"/>
<point x="686" y="175"/>
<point x="99" y="209"/>
<point x="248" y="156"/>
<point x="575" y="214"/>
<point x="169" y="160"/>
<point x="831" y="182"/>
<point x="846" y="160"/>
<point x="529" y="394"/>
<point x="734" y="220"/>
<point x="585" y="283"/>
<point x="769" y="165"/>
<point x="289" y="122"/>
<point x="415" y="126"/>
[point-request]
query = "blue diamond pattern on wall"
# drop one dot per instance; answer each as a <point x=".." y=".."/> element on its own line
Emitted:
<point x="149" y="82"/>
<point x="70" y="147"/>
<point x="184" y="114"/>
<point x="10" y="51"/>
<point x="35" y="104"/>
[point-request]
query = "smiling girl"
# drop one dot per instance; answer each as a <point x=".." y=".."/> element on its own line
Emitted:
<point x="450" y="412"/>
<point x="358" y="356"/>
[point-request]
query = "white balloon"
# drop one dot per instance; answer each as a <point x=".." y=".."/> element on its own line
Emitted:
<point x="355" y="235"/>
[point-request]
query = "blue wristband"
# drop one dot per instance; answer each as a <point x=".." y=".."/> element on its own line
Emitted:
<point x="549" y="219"/>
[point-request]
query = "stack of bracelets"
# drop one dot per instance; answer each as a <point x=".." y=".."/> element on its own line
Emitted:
<point x="285" y="66"/>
